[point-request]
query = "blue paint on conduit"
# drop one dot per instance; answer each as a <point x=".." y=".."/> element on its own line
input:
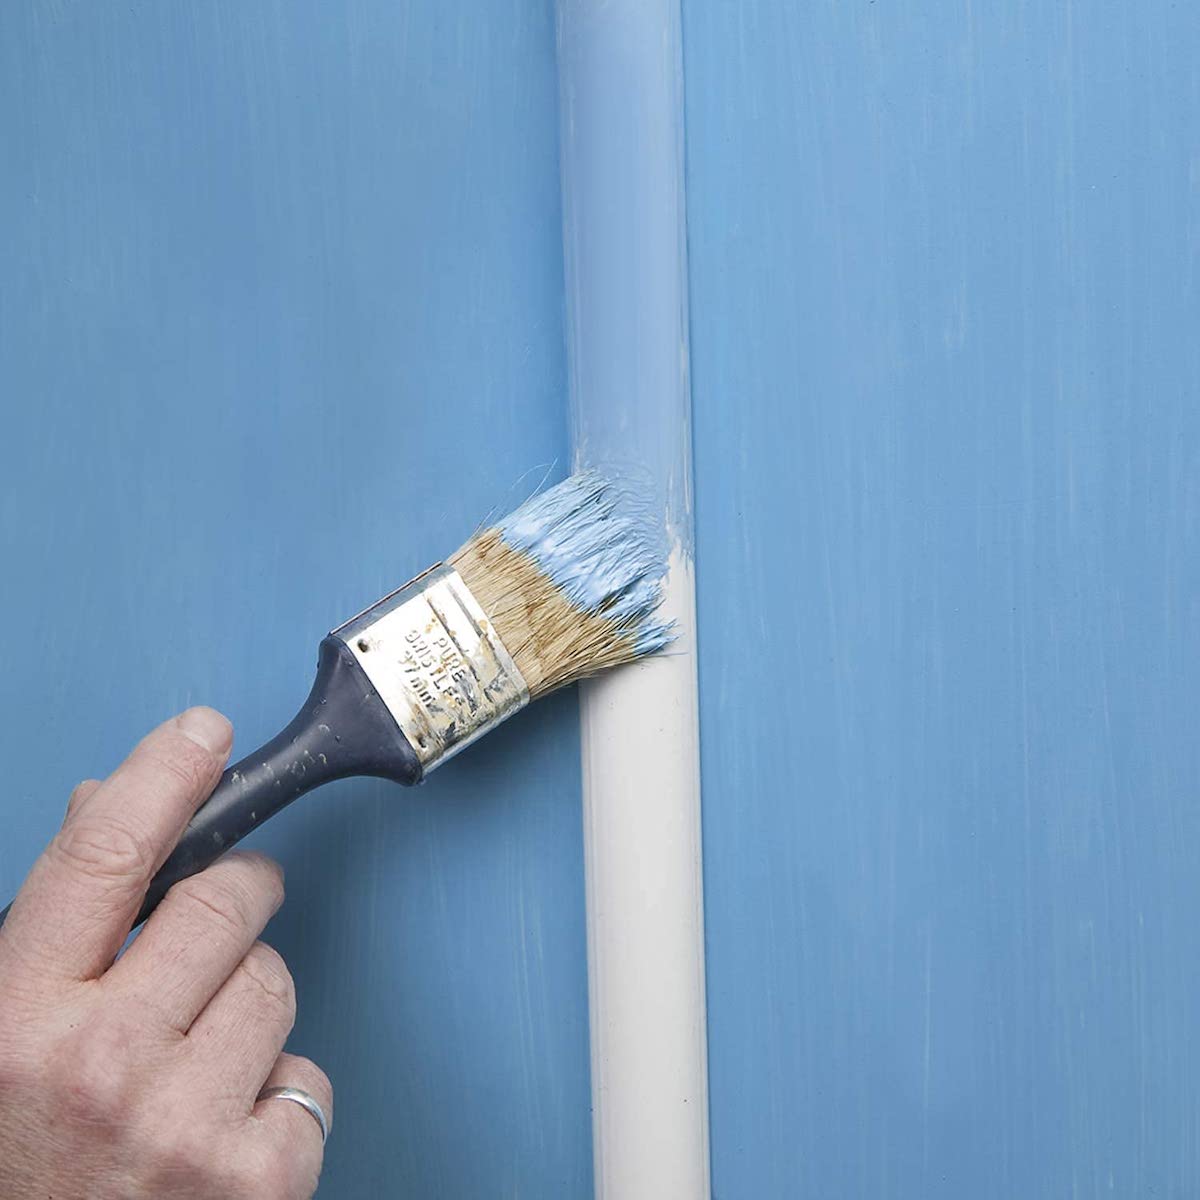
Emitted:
<point x="624" y="222"/>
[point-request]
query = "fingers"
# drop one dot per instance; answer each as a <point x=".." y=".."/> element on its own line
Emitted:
<point x="240" y="1033"/>
<point x="293" y="1129"/>
<point x="83" y="894"/>
<point x="197" y="937"/>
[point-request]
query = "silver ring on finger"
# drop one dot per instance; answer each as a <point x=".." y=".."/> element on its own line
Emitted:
<point x="306" y="1102"/>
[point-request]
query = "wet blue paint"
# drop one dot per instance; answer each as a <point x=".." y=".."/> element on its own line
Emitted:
<point x="945" y="302"/>
<point x="624" y="239"/>
<point x="280" y="323"/>
<point x="603" y="559"/>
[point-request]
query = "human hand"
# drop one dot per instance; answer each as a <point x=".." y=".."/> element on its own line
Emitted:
<point x="140" y="1076"/>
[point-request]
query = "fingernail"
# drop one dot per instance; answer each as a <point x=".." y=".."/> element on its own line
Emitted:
<point x="206" y="727"/>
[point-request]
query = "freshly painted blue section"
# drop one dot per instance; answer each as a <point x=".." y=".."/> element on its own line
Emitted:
<point x="945" y="266"/>
<point x="280" y="323"/>
<point x="603" y="560"/>
<point x="625" y="249"/>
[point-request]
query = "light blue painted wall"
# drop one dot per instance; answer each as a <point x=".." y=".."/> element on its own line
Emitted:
<point x="265" y="268"/>
<point x="944" y="306"/>
<point x="947" y="400"/>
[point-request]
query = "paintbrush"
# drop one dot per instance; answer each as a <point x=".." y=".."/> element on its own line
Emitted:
<point x="562" y="588"/>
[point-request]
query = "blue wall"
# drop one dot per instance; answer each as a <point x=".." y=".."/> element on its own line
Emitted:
<point x="945" y="269"/>
<point x="265" y="270"/>
<point x="264" y="263"/>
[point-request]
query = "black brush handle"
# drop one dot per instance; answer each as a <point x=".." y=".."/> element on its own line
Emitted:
<point x="343" y="729"/>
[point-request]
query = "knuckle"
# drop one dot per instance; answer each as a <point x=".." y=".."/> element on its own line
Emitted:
<point x="108" y="848"/>
<point x="90" y="1072"/>
<point x="179" y="1153"/>
<point x="223" y="902"/>
<point x="182" y="760"/>
<point x="263" y="1179"/>
<point x="182" y="1157"/>
<point x="265" y="970"/>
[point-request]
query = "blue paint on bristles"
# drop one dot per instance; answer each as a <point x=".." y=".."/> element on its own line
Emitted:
<point x="601" y="556"/>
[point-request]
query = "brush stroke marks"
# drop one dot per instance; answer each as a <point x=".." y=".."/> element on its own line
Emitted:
<point x="625" y="251"/>
<point x="280" y="316"/>
<point x="602" y="556"/>
<point x="945" y="302"/>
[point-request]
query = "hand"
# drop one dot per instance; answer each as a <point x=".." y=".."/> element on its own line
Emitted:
<point x="139" y="1076"/>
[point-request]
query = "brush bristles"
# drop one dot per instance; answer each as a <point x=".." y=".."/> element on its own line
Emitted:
<point x="570" y="585"/>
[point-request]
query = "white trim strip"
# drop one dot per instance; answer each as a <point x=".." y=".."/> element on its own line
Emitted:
<point x="624" y="237"/>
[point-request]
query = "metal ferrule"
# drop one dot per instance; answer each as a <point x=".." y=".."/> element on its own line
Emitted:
<point x="437" y="662"/>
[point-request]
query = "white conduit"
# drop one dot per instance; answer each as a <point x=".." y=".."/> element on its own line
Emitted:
<point x="624" y="236"/>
